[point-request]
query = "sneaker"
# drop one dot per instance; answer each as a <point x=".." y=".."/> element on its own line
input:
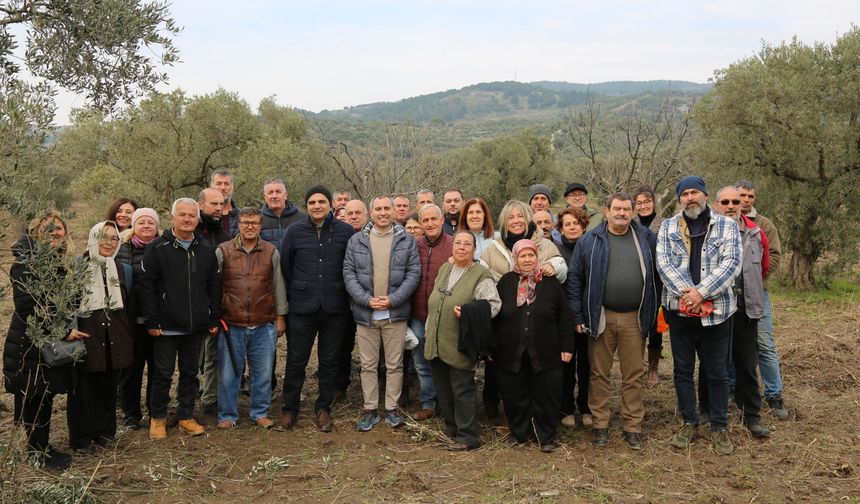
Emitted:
<point x="368" y="419"/>
<point x="722" y="443"/>
<point x="226" y="424"/>
<point x="568" y="421"/>
<point x="513" y="442"/>
<point x="264" y="422"/>
<point x="548" y="447"/>
<point x="633" y="439"/>
<point x="757" y="429"/>
<point x="587" y="420"/>
<point x="778" y="407"/>
<point x="684" y="437"/>
<point x="286" y="422"/>
<point x="394" y="418"/>
<point x="600" y="437"/>
<point x="191" y="426"/>
<point x="323" y="421"/>
<point x="157" y="428"/>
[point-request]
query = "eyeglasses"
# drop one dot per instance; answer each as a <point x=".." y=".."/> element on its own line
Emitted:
<point x="642" y="203"/>
<point x="108" y="239"/>
<point x="249" y="224"/>
<point x="734" y="202"/>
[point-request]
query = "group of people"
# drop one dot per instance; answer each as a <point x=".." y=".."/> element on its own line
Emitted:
<point x="544" y="301"/>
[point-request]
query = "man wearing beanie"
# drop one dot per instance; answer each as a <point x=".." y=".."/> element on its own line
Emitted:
<point x="576" y="194"/>
<point x="540" y="197"/>
<point x="698" y="257"/>
<point x="312" y="254"/>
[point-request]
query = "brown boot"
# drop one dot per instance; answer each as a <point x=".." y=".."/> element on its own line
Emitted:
<point x="157" y="428"/>
<point x="191" y="426"/>
<point x="653" y="362"/>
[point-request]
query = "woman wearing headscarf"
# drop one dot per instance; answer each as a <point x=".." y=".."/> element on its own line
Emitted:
<point x="32" y="382"/>
<point x="104" y="317"/>
<point x="516" y="224"/>
<point x="532" y="338"/>
<point x="476" y="218"/>
<point x="571" y="224"/>
<point x="121" y="212"/>
<point x="462" y="288"/>
<point x="133" y="242"/>
<point x="645" y="204"/>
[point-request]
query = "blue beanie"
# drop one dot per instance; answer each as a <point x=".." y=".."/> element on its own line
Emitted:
<point x="690" y="182"/>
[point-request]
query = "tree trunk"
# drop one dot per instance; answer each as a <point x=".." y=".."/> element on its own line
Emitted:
<point x="800" y="271"/>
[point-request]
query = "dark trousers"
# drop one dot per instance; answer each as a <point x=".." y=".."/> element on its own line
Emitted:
<point x="131" y="378"/>
<point x="490" y="394"/>
<point x="344" y="359"/>
<point x="532" y="401"/>
<point x="35" y="414"/>
<point x="655" y="342"/>
<point x="457" y="398"/>
<point x="687" y="334"/>
<point x="166" y="350"/>
<point x="91" y="412"/>
<point x="576" y="371"/>
<point x="744" y="351"/>
<point x="300" y="342"/>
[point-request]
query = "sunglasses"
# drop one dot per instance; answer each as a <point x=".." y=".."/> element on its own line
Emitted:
<point x="734" y="202"/>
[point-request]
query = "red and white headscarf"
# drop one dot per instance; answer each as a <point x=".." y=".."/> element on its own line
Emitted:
<point x="528" y="280"/>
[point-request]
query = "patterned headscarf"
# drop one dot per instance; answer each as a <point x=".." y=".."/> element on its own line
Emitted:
<point x="528" y="280"/>
<point x="104" y="292"/>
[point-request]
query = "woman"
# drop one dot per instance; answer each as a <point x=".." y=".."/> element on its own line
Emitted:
<point x="532" y="338"/>
<point x="120" y="212"/>
<point x="413" y="227"/>
<point x="144" y="229"/>
<point x="33" y="383"/>
<point x="464" y="292"/>
<point x="104" y="317"/>
<point x="647" y="215"/>
<point x="571" y="224"/>
<point x="516" y="221"/>
<point x="476" y="218"/>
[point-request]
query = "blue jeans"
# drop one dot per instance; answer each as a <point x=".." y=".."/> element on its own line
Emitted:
<point x="427" y="395"/>
<point x="768" y="361"/>
<point x="257" y="345"/>
<point x="686" y="335"/>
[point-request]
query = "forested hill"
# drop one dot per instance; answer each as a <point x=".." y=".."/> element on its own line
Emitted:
<point x="509" y="99"/>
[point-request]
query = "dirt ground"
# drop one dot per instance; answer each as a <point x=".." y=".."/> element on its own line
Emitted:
<point x="813" y="457"/>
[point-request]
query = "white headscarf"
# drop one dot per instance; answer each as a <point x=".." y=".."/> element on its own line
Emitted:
<point x="99" y="298"/>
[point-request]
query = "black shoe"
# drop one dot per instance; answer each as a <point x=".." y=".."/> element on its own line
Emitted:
<point x="131" y="423"/>
<point x="55" y="460"/>
<point x="778" y="407"/>
<point x="634" y="440"/>
<point x="757" y="430"/>
<point x="84" y="450"/>
<point x="600" y="437"/>
<point x="513" y="442"/>
<point x="548" y="447"/>
<point x="103" y="442"/>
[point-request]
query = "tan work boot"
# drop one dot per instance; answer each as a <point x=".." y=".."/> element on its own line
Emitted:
<point x="191" y="426"/>
<point x="157" y="428"/>
<point x="653" y="363"/>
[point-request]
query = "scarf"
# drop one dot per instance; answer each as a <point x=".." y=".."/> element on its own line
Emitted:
<point x="511" y="239"/>
<point x="138" y="243"/>
<point x="528" y="280"/>
<point x="101" y="296"/>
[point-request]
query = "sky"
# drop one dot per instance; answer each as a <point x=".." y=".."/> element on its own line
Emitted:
<point x="329" y="55"/>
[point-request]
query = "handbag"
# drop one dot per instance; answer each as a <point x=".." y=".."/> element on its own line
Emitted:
<point x="63" y="352"/>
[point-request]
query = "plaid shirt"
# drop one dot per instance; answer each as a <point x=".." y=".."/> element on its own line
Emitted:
<point x="721" y="263"/>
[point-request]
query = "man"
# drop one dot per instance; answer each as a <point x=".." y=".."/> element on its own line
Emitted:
<point x="254" y="303"/>
<point x="750" y="288"/>
<point x="278" y="212"/>
<point x="576" y="196"/>
<point x="356" y="216"/>
<point x="423" y="197"/>
<point x="180" y="299"/>
<point x="543" y="220"/>
<point x="540" y="197"/>
<point x="402" y="207"/>
<point x="223" y="181"/>
<point x="768" y="360"/>
<point x="612" y="293"/>
<point x="210" y="230"/>
<point x="453" y="203"/>
<point x="698" y="257"/>
<point x="341" y="198"/>
<point x="434" y="250"/>
<point x="381" y="270"/>
<point x="312" y="263"/>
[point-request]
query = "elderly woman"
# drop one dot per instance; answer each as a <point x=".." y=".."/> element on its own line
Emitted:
<point x="516" y="221"/>
<point x="644" y="202"/>
<point x="532" y="338"/>
<point x="144" y="229"/>
<point x="104" y="318"/>
<point x="476" y="218"/>
<point x="121" y="211"/>
<point x="571" y="224"/>
<point x="34" y="384"/>
<point x="464" y="299"/>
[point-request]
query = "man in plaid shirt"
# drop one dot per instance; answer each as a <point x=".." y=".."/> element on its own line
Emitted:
<point x="698" y="257"/>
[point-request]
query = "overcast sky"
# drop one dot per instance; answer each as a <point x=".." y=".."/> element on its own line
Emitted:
<point x="327" y="55"/>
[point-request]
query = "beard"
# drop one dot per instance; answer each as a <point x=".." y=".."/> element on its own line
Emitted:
<point x="694" y="212"/>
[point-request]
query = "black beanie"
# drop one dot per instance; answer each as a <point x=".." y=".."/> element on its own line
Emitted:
<point x="318" y="189"/>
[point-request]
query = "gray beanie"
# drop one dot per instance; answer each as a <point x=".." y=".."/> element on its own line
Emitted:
<point x="540" y="189"/>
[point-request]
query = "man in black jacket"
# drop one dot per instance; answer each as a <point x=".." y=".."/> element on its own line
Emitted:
<point x="312" y="264"/>
<point x="180" y="299"/>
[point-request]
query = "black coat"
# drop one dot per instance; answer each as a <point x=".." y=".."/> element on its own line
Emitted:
<point x="109" y="332"/>
<point x="180" y="290"/>
<point x="546" y="325"/>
